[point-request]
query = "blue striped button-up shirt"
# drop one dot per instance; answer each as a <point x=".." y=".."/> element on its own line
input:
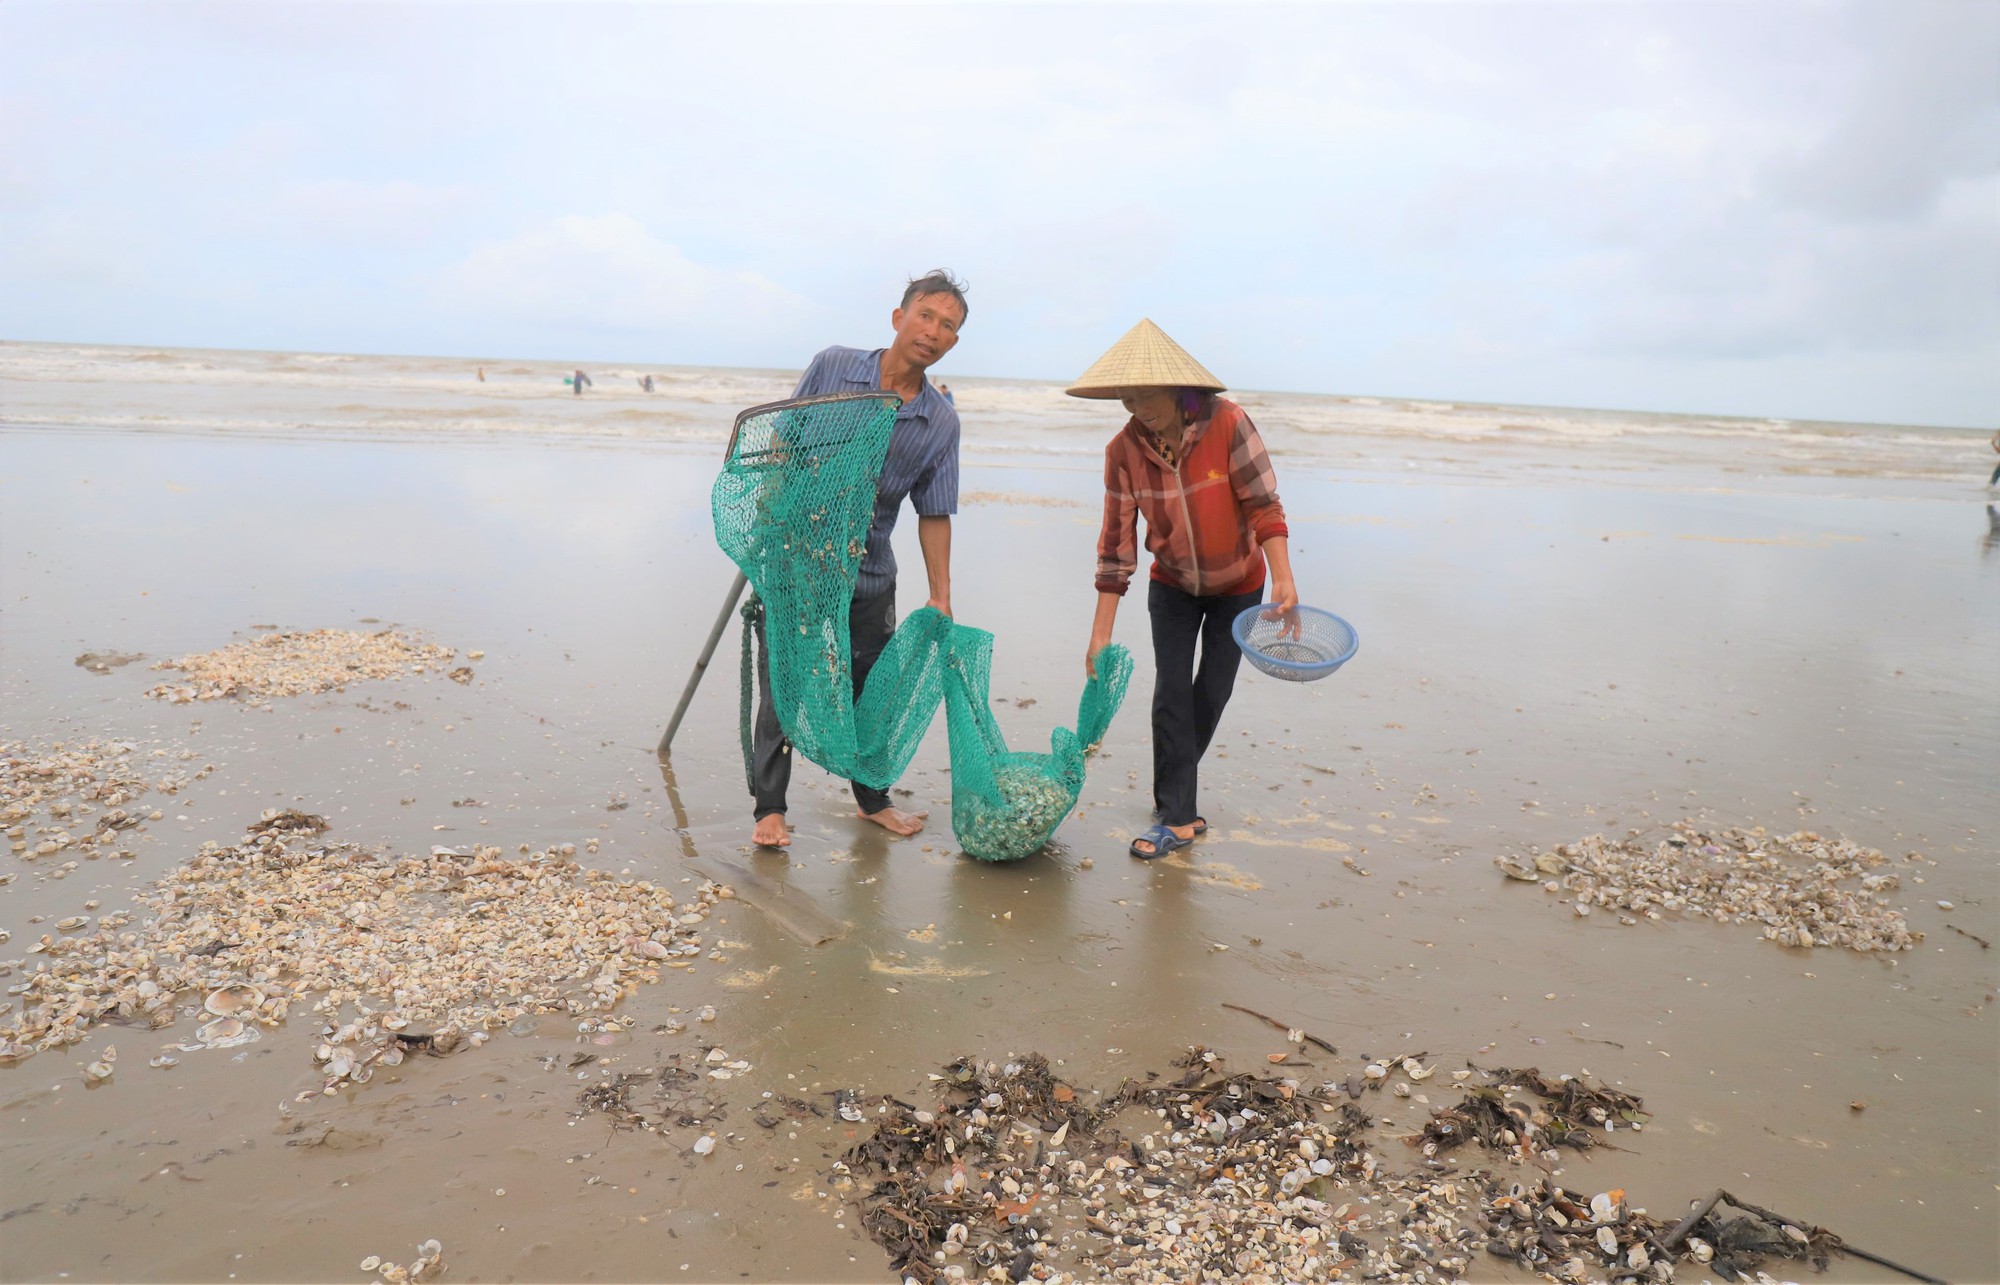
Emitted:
<point x="922" y="461"/>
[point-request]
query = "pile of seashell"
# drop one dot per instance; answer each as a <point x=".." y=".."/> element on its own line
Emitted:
<point x="458" y="943"/>
<point x="1220" y="1176"/>
<point x="428" y="1265"/>
<point x="296" y="663"/>
<point x="1802" y="889"/>
<point x="84" y="787"/>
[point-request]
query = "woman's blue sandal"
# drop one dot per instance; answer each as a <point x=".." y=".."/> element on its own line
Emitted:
<point x="1163" y="839"/>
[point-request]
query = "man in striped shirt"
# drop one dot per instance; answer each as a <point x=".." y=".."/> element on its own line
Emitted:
<point x="922" y="465"/>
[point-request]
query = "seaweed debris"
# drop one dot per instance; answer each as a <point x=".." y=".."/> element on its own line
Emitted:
<point x="653" y="1099"/>
<point x="1016" y="1174"/>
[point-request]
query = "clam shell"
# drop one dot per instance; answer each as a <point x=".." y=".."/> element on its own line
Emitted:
<point x="225" y="1032"/>
<point x="231" y="1000"/>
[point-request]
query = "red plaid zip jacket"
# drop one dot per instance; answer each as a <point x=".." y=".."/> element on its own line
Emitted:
<point x="1205" y="518"/>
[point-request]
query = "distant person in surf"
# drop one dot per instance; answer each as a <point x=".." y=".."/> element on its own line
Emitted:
<point x="578" y="382"/>
<point x="1994" y="481"/>
<point x="482" y="374"/>
<point x="946" y="390"/>
<point x="647" y="383"/>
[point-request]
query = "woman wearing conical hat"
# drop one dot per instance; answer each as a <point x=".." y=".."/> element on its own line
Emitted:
<point x="1190" y="463"/>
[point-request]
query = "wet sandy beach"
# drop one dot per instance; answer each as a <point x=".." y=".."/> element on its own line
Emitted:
<point x="1547" y="653"/>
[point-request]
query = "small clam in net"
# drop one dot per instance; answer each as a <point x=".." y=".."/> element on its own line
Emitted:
<point x="792" y="509"/>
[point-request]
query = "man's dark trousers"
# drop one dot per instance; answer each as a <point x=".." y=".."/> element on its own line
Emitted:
<point x="870" y="621"/>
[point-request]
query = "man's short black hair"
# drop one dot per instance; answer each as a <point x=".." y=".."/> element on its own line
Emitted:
<point x="937" y="281"/>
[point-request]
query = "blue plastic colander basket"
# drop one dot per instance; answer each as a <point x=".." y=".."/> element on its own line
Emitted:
<point x="1325" y="643"/>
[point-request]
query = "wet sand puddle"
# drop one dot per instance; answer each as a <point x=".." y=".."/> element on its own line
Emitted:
<point x="1348" y="891"/>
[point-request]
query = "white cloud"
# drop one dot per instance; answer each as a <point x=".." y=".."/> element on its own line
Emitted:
<point x="609" y="274"/>
<point x="1565" y="203"/>
<point x="350" y="212"/>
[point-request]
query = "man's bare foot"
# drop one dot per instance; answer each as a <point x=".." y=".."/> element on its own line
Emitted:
<point x="895" y="820"/>
<point x="772" y="832"/>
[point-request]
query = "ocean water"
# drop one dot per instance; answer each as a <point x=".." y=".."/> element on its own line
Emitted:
<point x="98" y="387"/>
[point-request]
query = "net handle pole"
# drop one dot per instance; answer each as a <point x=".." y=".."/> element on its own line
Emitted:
<point x="701" y="665"/>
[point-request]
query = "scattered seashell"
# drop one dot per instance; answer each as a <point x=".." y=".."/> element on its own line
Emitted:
<point x="704" y="1144"/>
<point x="221" y="1029"/>
<point x="231" y="1000"/>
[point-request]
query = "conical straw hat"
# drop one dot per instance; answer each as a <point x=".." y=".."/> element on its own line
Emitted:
<point x="1144" y="358"/>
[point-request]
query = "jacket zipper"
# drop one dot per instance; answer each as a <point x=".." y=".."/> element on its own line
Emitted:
<point x="1187" y="516"/>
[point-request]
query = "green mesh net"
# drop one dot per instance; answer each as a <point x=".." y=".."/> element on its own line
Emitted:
<point x="792" y="510"/>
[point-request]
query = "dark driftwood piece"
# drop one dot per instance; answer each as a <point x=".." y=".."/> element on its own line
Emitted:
<point x="1983" y="943"/>
<point x="1672" y="1240"/>
<point x="1310" y="1039"/>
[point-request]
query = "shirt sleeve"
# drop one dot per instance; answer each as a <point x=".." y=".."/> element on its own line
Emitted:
<point x="935" y="492"/>
<point x="812" y="383"/>
<point x="1118" y="541"/>
<point x="1255" y="482"/>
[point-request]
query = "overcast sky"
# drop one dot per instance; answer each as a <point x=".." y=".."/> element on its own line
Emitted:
<point x="1758" y="209"/>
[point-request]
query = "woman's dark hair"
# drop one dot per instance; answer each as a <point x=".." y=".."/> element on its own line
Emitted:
<point x="1194" y="403"/>
<point x="937" y="281"/>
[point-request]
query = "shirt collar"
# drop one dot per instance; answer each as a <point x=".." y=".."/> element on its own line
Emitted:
<point x="925" y="398"/>
<point x="1189" y="436"/>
